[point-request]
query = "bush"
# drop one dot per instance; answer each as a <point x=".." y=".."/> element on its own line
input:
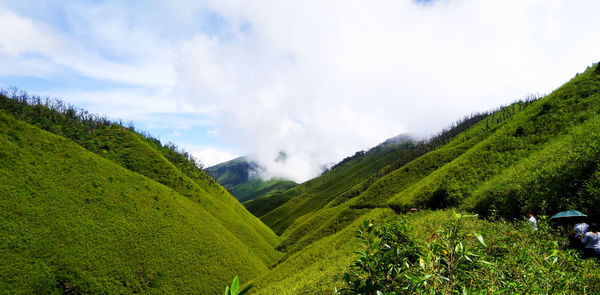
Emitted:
<point x="455" y="259"/>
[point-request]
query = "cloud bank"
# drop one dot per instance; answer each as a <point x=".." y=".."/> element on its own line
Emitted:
<point x="316" y="80"/>
<point x="323" y="80"/>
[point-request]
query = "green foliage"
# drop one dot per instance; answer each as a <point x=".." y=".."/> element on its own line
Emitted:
<point x="235" y="288"/>
<point x="317" y="193"/>
<point x="257" y="187"/>
<point x="447" y="260"/>
<point x="512" y="259"/>
<point x="75" y="222"/>
<point x="142" y="154"/>
<point x="381" y="264"/>
<point x="562" y="176"/>
<point x="523" y="134"/>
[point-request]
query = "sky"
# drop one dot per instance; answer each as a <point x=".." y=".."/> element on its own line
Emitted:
<point x="318" y="80"/>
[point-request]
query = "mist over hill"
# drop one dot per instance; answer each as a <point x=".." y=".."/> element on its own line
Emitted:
<point x="92" y="206"/>
<point x="245" y="179"/>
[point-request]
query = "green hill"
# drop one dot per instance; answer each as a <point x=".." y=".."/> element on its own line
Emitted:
<point x="98" y="208"/>
<point x="233" y="172"/>
<point x="541" y="155"/>
<point x="257" y="187"/>
<point x="75" y="222"/>
<point x="235" y="176"/>
<point x="147" y="156"/>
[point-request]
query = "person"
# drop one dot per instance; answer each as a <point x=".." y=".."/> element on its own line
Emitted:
<point x="580" y="228"/>
<point x="591" y="241"/>
<point x="532" y="220"/>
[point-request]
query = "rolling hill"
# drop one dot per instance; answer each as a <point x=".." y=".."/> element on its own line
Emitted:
<point x="91" y="206"/>
<point x="237" y="177"/>
<point x="538" y="154"/>
<point x="125" y="214"/>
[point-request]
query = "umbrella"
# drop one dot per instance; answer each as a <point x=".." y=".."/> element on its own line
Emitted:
<point x="567" y="214"/>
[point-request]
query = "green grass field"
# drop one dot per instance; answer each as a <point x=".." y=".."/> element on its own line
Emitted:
<point x="541" y="156"/>
<point x="93" y="207"/>
<point x="72" y="220"/>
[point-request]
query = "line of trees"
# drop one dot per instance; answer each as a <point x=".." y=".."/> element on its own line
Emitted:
<point x="79" y="125"/>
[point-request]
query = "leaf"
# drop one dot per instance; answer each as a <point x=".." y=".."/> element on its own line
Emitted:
<point x="480" y="238"/>
<point x="235" y="285"/>
<point x="245" y="290"/>
<point x="486" y="262"/>
<point x="227" y="290"/>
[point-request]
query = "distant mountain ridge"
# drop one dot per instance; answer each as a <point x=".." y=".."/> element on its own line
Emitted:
<point x="240" y="177"/>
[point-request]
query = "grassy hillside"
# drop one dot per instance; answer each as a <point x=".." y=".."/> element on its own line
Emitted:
<point x="267" y="203"/>
<point x="235" y="176"/>
<point x="525" y="135"/>
<point x="233" y="172"/>
<point x="314" y="194"/>
<point x="141" y="197"/>
<point x="147" y="156"/>
<point x="516" y="259"/>
<point x="75" y="222"/>
<point x="257" y="187"/>
<point x="541" y="155"/>
<point x="130" y="151"/>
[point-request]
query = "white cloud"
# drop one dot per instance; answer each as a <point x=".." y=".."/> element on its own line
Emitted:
<point x="22" y="36"/>
<point x="318" y="80"/>
<point x="210" y="157"/>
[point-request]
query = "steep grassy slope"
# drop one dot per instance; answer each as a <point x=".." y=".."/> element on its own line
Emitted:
<point x="267" y="203"/>
<point x="542" y="155"/>
<point x="74" y="222"/>
<point x="525" y="135"/>
<point x="148" y="157"/>
<point x="314" y="194"/>
<point x="257" y="187"/>
<point x="235" y="176"/>
<point x="514" y="254"/>
<point x="130" y="151"/>
<point x="565" y="175"/>
<point x="233" y="172"/>
<point x="318" y="268"/>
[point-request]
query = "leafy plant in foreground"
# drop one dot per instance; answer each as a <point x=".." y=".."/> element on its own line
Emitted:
<point x="445" y="264"/>
<point x="394" y="263"/>
<point x="389" y="252"/>
<point x="235" y="288"/>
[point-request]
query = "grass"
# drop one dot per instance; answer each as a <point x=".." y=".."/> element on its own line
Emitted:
<point x="72" y="220"/>
<point x="236" y="177"/>
<point x="140" y="153"/>
<point x="523" y="156"/>
<point x="318" y="268"/>
<point x="257" y="187"/>
<point x="130" y="151"/>
<point x="524" y="135"/>
<point x="315" y="194"/>
<point x="140" y="218"/>
<point x="518" y="259"/>
<point x="562" y="176"/>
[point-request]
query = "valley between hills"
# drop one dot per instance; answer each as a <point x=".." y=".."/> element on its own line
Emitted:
<point x="92" y="206"/>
